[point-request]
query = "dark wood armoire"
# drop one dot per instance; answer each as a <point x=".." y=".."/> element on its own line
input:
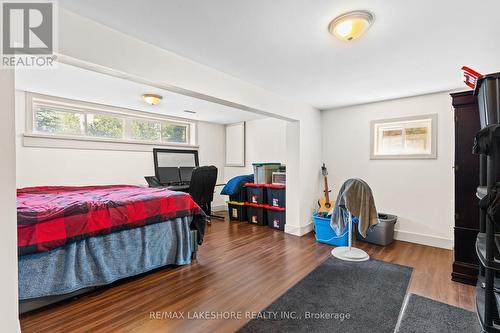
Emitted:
<point x="465" y="261"/>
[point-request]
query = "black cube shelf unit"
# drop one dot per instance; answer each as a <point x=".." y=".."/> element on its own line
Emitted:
<point x="488" y="240"/>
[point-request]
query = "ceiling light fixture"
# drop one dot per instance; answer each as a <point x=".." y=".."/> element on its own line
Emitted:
<point x="152" y="99"/>
<point x="351" y="25"/>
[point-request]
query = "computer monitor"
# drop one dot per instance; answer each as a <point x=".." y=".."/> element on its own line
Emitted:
<point x="168" y="161"/>
<point x="168" y="175"/>
<point x="186" y="173"/>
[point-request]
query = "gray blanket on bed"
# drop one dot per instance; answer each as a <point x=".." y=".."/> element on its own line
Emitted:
<point x="355" y="196"/>
<point x="101" y="260"/>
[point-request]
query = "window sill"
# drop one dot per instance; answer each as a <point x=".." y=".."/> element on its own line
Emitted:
<point x="69" y="142"/>
<point x="404" y="157"/>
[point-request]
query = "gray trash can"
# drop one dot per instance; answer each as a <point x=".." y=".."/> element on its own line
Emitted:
<point x="382" y="233"/>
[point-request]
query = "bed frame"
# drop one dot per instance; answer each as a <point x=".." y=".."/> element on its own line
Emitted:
<point x="41" y="302"/>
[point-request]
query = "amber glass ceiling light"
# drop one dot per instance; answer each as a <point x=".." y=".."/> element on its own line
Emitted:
<point x="351" y="25"/>
<point x="152" y="99"/>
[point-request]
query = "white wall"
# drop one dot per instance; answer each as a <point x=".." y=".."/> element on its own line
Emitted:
<point x="265" y="141"/>
<point x="8" y="227"/>
<point x="420" y="192"/>
<point x="52" y="166"/>
<point x="211" y="139"/>
<point x="89" y="41"/>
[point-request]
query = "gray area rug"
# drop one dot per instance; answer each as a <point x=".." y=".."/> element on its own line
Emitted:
<point x="425" y="315"/>
<point x="339" y="296"/>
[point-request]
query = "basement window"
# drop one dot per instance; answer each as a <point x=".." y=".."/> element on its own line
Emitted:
<point x="51" y="117"/>
<point x="404" y="138"/>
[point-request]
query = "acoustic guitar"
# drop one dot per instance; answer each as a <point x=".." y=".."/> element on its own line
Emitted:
<point x="325" y="204"/>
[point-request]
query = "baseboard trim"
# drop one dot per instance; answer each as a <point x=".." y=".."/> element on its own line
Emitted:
<point x="414" y="237"/>
<point x="407" y="236"/>
<point x="299" y="231"/>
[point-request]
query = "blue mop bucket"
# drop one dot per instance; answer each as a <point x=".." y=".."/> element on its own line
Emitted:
<point x="325" y="233"/>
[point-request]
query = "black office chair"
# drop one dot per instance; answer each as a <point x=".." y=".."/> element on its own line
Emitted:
<point x="202" y="187"/>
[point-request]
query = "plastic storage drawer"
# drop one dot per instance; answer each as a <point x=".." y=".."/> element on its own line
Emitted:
<point x="276" y="217"/>
<point x="237" y="210"/>
<point x="325" y="233"/>
<point x="256" y="214"/>
<point x="279" y="178"/>
<point x="241" y="196"/>
<point x="263" y="172"/>
<point x="276" y="195"/>
<point x="256" y="193"/>
<point x="382" y="233"/>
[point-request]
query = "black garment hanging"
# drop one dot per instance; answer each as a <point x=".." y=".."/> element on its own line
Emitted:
<point x="491" y="204"/>
<point x="485" y="138"/>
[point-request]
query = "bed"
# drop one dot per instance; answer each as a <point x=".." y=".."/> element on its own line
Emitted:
<point x="71" y="239"/>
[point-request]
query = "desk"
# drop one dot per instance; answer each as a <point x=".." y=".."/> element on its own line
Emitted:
<point x="179" y="188"/>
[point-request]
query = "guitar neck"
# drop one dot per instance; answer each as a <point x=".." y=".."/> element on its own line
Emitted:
<point x="327" y="194"/>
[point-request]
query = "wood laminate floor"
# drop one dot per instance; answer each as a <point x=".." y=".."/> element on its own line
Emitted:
<point x="240" y="268"/>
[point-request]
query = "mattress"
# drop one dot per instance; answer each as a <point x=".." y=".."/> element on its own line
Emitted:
<point x="53" y="216"/>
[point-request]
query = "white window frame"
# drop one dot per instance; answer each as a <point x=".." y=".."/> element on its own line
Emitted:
<point x="32" y="138"/>
<point x="374" y="124"/>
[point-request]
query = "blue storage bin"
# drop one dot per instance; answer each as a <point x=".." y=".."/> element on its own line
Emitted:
<point x="325" y="233"/>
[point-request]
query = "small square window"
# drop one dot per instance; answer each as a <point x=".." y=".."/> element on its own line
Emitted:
<point x="404" y="138"/>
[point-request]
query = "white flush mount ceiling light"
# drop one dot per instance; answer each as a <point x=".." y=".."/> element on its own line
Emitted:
<point x="152" y="99"/>
<point x="351" y="25"/>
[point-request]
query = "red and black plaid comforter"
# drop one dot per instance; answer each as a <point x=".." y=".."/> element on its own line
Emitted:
<point x="52" y="216"/>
